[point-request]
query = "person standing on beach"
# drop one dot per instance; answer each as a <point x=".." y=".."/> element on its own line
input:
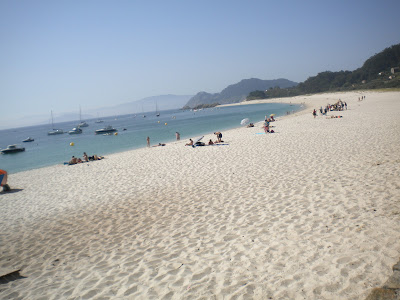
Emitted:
<point x="266" y="126"/>
<point x="219" y="136"/>
<point x="314" y="113"/>
<point x="178" y="136"/>
<point x="148" y="141"/>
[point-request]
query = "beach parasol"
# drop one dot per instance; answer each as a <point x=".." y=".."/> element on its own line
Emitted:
<point x="244" y="121"/>
<point x="197" y="142"/>
<point x="198" y="139"/>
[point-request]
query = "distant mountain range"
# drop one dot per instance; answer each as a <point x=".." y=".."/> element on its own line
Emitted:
<point x="148" y="104"/>
<point x="231" y="94"/>
<point x="237" y="92"/>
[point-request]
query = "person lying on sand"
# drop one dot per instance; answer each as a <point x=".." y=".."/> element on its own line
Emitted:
<point x="95" y="157"/>
<point x="73" y="161"/>
<point x="190" y="143"/>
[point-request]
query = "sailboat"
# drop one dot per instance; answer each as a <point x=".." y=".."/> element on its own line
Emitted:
<point x="157" y="113"/>
<point x="54" y="131"/>
<point x="98" y="119"/>
<point x="144" y="116"/>
<point x="82" y="123"/>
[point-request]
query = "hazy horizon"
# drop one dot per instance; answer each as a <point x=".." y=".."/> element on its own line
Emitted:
<point x="135" y="107"/>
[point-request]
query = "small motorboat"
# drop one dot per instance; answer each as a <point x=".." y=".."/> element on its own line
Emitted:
<point x="29" y="139"/>
<point x="83" y="124"/>
<point x="107" y="129"/>
<point x="12" y="149"/>
<point x="55" y="132"/>
<point x="75" y="130"/>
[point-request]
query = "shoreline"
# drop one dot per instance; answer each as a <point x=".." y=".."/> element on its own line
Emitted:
<point x="307" y="212"/>
<point x="168" y="137"/>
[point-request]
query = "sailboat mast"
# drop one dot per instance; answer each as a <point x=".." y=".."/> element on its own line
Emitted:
<point x="52" y="121"/>
<point x="157" y="113"/>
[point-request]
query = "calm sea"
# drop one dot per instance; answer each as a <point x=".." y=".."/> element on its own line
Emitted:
<point x="49" y="150"/>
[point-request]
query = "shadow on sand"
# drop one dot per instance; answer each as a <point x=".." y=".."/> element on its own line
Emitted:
<point x="11" y="191"/>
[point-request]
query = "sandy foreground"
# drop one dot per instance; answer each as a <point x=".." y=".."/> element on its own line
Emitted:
<point x="309" y="212"/>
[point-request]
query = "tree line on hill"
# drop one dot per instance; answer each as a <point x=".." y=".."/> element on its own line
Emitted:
<point x="236" y="92"/>
<point x="379" y="71"/>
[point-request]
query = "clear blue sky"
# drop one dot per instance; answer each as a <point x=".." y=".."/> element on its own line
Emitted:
<point x="57" y="55"/>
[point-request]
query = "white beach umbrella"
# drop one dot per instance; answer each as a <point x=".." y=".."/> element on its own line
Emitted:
<point x="198" y="139"/>
<point x="244" y="121"/>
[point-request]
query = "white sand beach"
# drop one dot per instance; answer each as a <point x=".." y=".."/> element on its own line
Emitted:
<point x="311" y="211"/>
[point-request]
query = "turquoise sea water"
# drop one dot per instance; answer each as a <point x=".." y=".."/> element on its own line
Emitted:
<point x="50" y="150"/>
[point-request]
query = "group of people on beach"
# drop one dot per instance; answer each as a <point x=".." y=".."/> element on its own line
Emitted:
<point x="219" y="138"/>
<point x="266" y="126"/>
<point x="177" y="135"/>
<point x="85" y="158"/>
<point x="210" y="142"/>
<point x="338" y="106"/>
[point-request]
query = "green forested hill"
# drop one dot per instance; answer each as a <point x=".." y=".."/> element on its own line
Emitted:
<point x="375" y="73"/>
<point x="237" y="92"/>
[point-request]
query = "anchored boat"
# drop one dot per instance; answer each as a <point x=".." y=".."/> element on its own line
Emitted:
<point x="107" y="129"/>
<point x="29" y="139"/>
<point x="75" y="130"/>
<point x="54" y="131"/>
<point x="12" y="149"/>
